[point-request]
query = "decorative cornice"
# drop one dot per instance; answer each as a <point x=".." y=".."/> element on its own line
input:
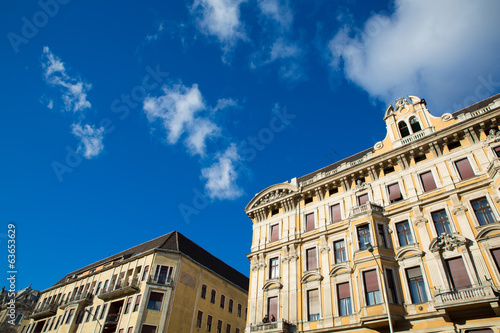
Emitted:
<point x="272" y="284"/>
<point x="459" y="209"/>
<point x="341" y="268"/>
<point x="408" y="252"/>
<point x="311" y="276"/>
<point x="484" y="231"/>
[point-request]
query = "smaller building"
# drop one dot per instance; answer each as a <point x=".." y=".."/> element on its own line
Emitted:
<point x="168" y="284"/>
<point x="16" y="309"/>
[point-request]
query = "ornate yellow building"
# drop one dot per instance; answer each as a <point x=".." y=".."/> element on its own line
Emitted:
<point x="168" y="284"/>
<point x="412" y="223"/>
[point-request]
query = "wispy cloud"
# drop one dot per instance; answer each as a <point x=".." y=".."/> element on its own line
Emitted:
<point x="157" y="34"/>
<point x="73" y="89"/>
<point x="220" y="19"/>
<point x="391" y="56"/>
<point x="90" y="139"/>
<point x="221" y="176"/>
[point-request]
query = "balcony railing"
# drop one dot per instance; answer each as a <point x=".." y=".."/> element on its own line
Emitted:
<point x="414" y="137"/>
<point x="462" y="297"/>
<point x="121" y="288"/>
<point x="366" y="207"/>
<point x="46" y="310"/>
<point x="280" y="326"/>
<point x="78" y="298"/>
<point x="112" y="319"/>
<point x="160" y="280"/>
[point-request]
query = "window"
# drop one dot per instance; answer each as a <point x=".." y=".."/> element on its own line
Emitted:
<point x="339" y="249"/>
<point x="333" y="190"/>
<point x="272" y="307"/>
<point x="130" y="329"/>
<point x="388" y="170"/>
<point x="482" y="211"/>
<point x="219" y="326"/>
<point x="148" y="329"/>
<point x="103" y="312"/>
<point x="427" y="181"/>
<point x="313" y="305"/>
<point x="274" y="271"/>
<point x="275" y="211"/>
<point x="311" y="261"/>
<point x="464" y="169"/>
<point x="209" y="323"/>
<point x="163" y="274"/>
<point x="104" y="289"/>
<point x="203" y="291"/>
<point x="454" y="145"/>
<point x="230" y="306"/>
<point x="496" y="257"/>
<point x="145" y="274"/>
<point x="391" y="287"/>
<point x="459" y="278"/>
<point x="310" y="222"/>
<point x="419" y="158"/>
<point x="127" y="306"/>
<point x="222" y="301"/>
<point x="404" y="233"/>
<point x="381" y="235"/>
<point x="308" y="200"/>
<point x="403" y="129"/>
<point x="94" y="317"/>
<point x="441" y="222"/>
<point x="415" y="125"/>
<point x="199" y="319"/>
<point x="237" y="330"/>
<point x="364" y="236"/>
<point x="416" y="285"/>
<point x="137" y="302"/>
<point x="394" y="193"/>
<point x="228" y="328"/>
<point x="496" y="150"/>
<point x="362" y="199"/>
<point x="212" y="296"/>
<point x="372" y="292"/>
<point x="70" y="316"/>
<point x="155" y="300"/>
<point x="335" y="213"/>
<point x="344" y="296"/>
<point x="275" y="232"/>
<point x="239" y="310"/>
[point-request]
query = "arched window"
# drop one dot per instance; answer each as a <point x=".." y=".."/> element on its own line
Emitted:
<point x="415" y="125"/>
<point x="403" y="129"/>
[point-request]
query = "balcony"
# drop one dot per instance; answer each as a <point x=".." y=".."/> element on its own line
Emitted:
<point x="368" y="207"/>
<point x="120" y="289"/>
<point x="83" y="298"/>
<point x="160" y="280"/>
<point x="46" y="310"/>
<point x="413" y="137"/>
<point x="112" y="319"/>
<point x="465" y="297"/>
<point x="280" y="326"/>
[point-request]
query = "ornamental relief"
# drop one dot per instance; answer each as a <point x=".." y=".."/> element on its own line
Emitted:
<point x="493" y="136"/>
<point x="448" y="242"/>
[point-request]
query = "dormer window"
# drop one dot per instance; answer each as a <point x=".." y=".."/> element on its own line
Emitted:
<point x="403" y="129"/>
<point x="415" y="125"/>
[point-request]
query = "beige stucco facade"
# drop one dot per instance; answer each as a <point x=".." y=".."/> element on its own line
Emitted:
<point x="413" y="222"/>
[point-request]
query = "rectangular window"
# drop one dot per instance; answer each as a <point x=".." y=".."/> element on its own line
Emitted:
<point x="145" y="273"/>
<point x="163" y="274"/>
<point x="362" y="199"/>
<point x="333" y="190"/>
<point x="372" y="291"/>
<point x="311" y="261"/>
<point x="482" y="211"/>
<point x="219" y="326"/>
<point x="96" y="313"/>
<point x="364" y="237"/>
<point x="237" y="330"/>
<point x="496" y="150"/>
<point x="274" y="269"/>
<point x="394" y="193"/>
<point x="239" y="310"/>
<point x="155" y="300"/>
<point x="199" y="319"/>
<point x="103" y="312"/>
<point x="391" y="287"/>
<point x="464" y="168"/>
<point x="416" y="285"/>
<point x="441" y="222"/>
<point x="137" y="302"/>
<point x="228" y="328"/>
<point x="70" y="316"/>
<point x="427" y="180"/>
<point x="335" y="213"/>
<point x="310" y="222"/>
<point x="308" y="200"/>
<point x="209" y="323"/>
<point x="88" y="314"/>
<point x="275" y="232"/>
<point x="340" y="252"/>
<point x="127" y="306"/>
<point x="148" y="329"/>
<point x="344" y="296"/>
<point x="404" y="233"/>
<point x="458" y="274"/>
<point x="453" y="145"/>
<point x="272" y="307"/>
<point x="212" y="296"/>
<point x="204" y="291"/>
<point x="222" y="301"/>
<point x="496" y="257"/>
<point x="313" y="305"/>
<point x="230" y="306"/>
<point x="419" y="158"/>
<point x="381" y="235"/>
<point x="388" y="170"/>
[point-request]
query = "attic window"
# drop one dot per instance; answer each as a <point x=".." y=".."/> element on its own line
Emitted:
<point x="419" y="158"/>
<point x="333" y="190"/>
<point x="403" y="129"/>
<point x="454" y="145"/>
<point x="415" y="125"/>
<point x="308" y="200"/>
<point x="275" y="211"/>
<point x="388" y="170"/>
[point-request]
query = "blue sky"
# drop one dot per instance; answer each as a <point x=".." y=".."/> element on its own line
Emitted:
<point x="122" y="121"/>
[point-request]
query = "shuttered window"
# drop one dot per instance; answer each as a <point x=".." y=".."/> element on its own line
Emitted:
<point x="394" y="192"/>
<point x="272" y="307"/>
<point x="310" y="222"/>
<point x="372" y="291"/>
<point x="274" y="232"/>
<point x="464" y="169"/>
<point x="458" y="274"/>
<point x="312" y="262"/>
<point x="335" y="213"/>
<point x="344" y="296"/>
<point x="427" y="180"/>
<point x="362" y="199"/>
<point x="496" y="257"/>
<point x="416" y="285"/>
<point x="313" y="305"/>
<point x="496" y="150"/>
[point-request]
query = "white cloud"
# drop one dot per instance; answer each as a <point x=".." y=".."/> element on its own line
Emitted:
<point x="74" y="90"/>
<point x="278" y="12"/>
<point x="438" y="50"/>
<point x="179" y="109"/>
<point x="224" y="103"/>
<point x="221" y="19"/>
<point x="90" y="140"/>
<point x="157" y="34"/>
<point x="222" y="175"/>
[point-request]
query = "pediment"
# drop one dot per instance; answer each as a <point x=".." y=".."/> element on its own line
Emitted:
<point x="311" y="276"/>
<point x="339" y="269"/>
<point x="272" y="194"/>
<point x="272" y="284"/>
<point x="408" y="252"/>
<point x="489" y="231"/>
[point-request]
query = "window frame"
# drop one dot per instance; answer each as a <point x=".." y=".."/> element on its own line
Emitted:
<point x="315" y="223"/>
<point x="153" y="306"/>
<point x="418" y="287"/>
<point x="422" y="184"/>
<point x="457" y="170"/>
<point x="401" y="197"/>
<point x="377" y="297"/>
<point x="274" y="237"/>
<point x="274" y="269"/>
<point x="331" y="212"/>
<point x="405" y="232"/>
<point x="313" y="316"/>
<point x="347" y="306"/>
<point x="345" y="254"/>
<point x="306" y="257"/>
<point x="362" y="247"/>
<point x="492" y="211"/>
<point x="440" y="221"/>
